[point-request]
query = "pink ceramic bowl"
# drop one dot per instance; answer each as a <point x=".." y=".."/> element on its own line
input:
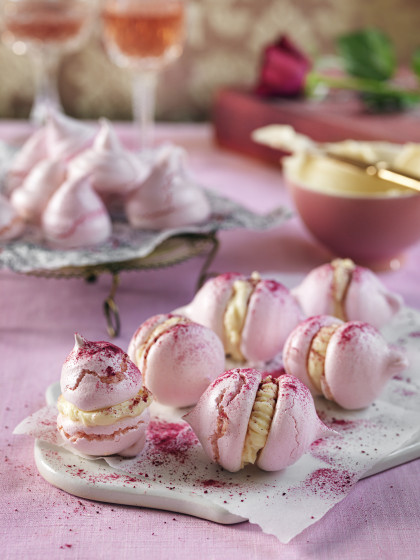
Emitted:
<point x="373" y="230"/>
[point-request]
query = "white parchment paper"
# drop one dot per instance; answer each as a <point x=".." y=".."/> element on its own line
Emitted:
<point x="286" y="502"/>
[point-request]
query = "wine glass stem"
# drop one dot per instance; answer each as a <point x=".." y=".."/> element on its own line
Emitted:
<point x="144" y="91"/>
<point x="46" y="65"/>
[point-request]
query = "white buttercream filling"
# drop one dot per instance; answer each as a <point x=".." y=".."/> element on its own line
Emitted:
<point x="342" y="276"/>
<point x="260" y="420"/>
<point x="235" y="315"/>
<point x="317" y="354"/>
<point x="106" y="416"/>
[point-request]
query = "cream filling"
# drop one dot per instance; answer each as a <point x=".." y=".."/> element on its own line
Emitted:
<point x="106" y="416"/>
<point x="342" y="276"/>
<point x="159" y="330"/>
<point x="325" y="175"/>
<point x="317" y="353"/>
<point x="409" y="158"/>
<point x="235" y="315"/>
<point x="260" y="420"/>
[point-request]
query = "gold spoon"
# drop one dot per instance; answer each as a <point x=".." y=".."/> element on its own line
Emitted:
<point x="284" y="137"/>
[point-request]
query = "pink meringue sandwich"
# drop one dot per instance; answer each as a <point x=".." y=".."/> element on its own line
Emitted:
<point x="348" y="363"/>
<point x="75" y="216"/>
<point x="31" y="198"/>
<point x="113" y="170"/>
<point x="252" y="316"/>
<point x="11" y="224"/>
<point x="168" y="198"/>
<point x="177" y="357"/>
<point x="247" y="418"/>
<point x="103" y="405"/>
<point x="347" y="291"/>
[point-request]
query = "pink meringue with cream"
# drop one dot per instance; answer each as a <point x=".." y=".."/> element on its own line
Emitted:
<point x="31" y="198"/>
<point x="76" y="216"/>
<point x="103" y="408"/>
<point x="245" y="418"/>
<point x="348" y="363"/>
<point x="11" y="224"/>
<point x="252" y="316"/>
<point x="168" y="198"/>
<point x="177" y="357"/>
<point x="113" y="170"/>
<point x="347" y="291"/>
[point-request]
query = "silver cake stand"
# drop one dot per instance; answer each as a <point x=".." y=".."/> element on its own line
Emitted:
<point x="170" y="252"/>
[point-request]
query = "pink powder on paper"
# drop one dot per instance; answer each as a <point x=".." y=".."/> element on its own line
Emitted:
<point x="414" y="334"/>
<point x="170" y="438"/>
<point x="343" y="425"/>
<point x="211" y="483"/>
<point x="327" y="483"/>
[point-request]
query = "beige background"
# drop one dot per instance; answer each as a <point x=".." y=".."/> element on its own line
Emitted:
<point x="224" y="46"/>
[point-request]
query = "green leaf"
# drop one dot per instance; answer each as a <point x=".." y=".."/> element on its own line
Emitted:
<point x="368" y="54"/>
<point x="415" y="62"/>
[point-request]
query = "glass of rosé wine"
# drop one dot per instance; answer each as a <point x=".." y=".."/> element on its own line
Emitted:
<point x="45" y="30"/>
<point x="144" y="36"/>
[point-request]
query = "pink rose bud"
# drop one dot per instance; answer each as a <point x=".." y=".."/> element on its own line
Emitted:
<point x="283" y="70"/>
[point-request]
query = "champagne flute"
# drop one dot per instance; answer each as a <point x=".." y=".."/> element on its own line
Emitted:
<point x="45" y="30"/>
<point x="144" y="36"/>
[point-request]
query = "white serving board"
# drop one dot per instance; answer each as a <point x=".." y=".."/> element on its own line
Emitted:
<point x="105" y="484"/>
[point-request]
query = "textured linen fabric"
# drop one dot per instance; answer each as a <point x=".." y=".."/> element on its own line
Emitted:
<point x="38" y="317"/>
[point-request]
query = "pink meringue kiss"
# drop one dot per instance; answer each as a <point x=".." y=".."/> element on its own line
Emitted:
<point x="75" y="216"/>
<point x="30" y="154"/>
<point x="245" y="418"/>
<point x="252" y="316"/>
<point x="348" y="363"/>
<point x="113" y="170"/>
<point x="168" y="198"/>
<point x="103" y="405"/>
<point x="66" y="137"/>
<point x="11" y="224"/>
<point x="31" y="198"/>
<point x="347" y="291"/>
<point x="177" y="357"/>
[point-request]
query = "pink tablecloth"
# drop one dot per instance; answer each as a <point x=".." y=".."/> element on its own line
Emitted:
<point x="379" y="519"/>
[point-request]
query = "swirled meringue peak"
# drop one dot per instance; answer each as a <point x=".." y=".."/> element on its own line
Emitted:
<point x="76" y="216"/>
<point x="66" y="137"/>
<point x="32" y="152"/>
<point x="169" y="197"/>
<point x="11" y="224"/>
<point x="31" y="198"/>
<point x="98" y="374"/>
<point x="113" y="169"/>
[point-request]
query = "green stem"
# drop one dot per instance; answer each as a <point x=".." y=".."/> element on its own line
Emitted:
<point x="363" y="85"/>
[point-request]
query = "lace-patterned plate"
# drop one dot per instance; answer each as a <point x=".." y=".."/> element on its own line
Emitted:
<point x="30" y="253"/>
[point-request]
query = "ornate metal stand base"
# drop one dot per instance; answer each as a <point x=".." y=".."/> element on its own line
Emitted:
<point x="171" y="252"/>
